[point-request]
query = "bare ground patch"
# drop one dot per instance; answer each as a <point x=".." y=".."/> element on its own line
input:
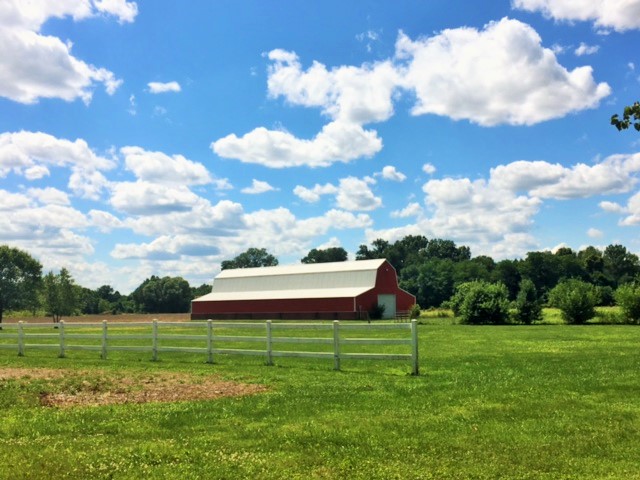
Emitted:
<point x="124" y="318"/>
<point x="68" y="388"/>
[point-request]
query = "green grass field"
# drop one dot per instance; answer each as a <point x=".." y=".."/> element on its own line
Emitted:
<point x="545" y="401"/>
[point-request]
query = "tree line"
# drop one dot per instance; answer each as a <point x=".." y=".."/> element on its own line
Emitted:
<point x="23" y="287"/>
<point x="431" y="269"/>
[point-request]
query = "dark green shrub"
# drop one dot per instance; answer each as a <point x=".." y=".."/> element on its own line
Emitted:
<point x="376" y="311"/>
<point x="606" y="296"/>
<point x="628" y="299"/>
<point x="482" y="303"/>
<point x="576" y="300"/>
<point x="415" y="311"/>
<point x="528" y="308"/>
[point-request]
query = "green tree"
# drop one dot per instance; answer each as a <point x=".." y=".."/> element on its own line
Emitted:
<point x="543" y="269"/>
<point x="620" y="265"/>
<point x="628" y="299"/>
<point x="379" y="250"/>
<point x="528" y="305"/>
<point x="431" y="281"/>
<point x="163" y="295"/>
<point x="252" y="258"/>
<point x="508" y="272"/>
<point x="569" y="265"/>
<point x="331" y="254"/>
<point x="481" y="302"/>
<point x="60" y="294"/>
<point x="89" y="301"/>
<point x="593" y="264"/>
<point x="407" y="251"/>
<point x="106" y="292"/>
<point x="439" y="248"/>
<point x="413" y="250"/>
<point x="20" y="279"/>
<point x="630" y="116"/>
<point x="200" y="291"/>
<point x="477" y="268"/>
<point x="576" y="300"/>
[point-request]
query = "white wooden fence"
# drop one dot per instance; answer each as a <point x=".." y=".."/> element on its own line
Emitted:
<point x="110" y="338"/>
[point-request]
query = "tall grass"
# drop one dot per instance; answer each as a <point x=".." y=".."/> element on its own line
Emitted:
<point x="540" y="401"/>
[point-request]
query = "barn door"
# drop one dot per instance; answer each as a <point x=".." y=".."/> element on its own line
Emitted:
<point x="389" y="302"/>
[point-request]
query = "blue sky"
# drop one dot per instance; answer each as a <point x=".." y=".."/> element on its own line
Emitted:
<point x="162" y="137"/>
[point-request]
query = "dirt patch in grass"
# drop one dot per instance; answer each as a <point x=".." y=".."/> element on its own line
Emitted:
<point x="69" y="388"/>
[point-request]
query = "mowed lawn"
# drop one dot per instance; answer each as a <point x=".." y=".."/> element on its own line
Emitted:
<point x="546" y="401"/>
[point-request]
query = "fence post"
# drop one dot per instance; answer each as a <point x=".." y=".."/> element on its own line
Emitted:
<point x="154" y="340"/>
<point x="336" y="345"/>
<point x="20" y="339"/>
<point x="103" y="354"/>
<point x="415" y="370"/>
<point x="209" y="341"/>
<point x="269" y="356"/>
<point x="61" y="330"/>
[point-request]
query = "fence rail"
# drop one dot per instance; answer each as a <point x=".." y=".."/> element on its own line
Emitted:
<point x="24" y="338"/>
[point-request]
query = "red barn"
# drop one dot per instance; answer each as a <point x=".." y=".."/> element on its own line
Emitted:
<point x="337" y="290"/>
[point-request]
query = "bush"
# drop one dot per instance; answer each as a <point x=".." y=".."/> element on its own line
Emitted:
<point x="576" y="300"/>
<point x="527" y="305"/>
<point x="606" y="296"/>
<point x="628" y="299"/>
<point x="414" y="312"/>
<point x="481" y="303"/>
<point x="376" y="311"/>
<point x="455" y="302"/>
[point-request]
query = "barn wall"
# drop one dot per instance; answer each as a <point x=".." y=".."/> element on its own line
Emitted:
<point x="278" y="316"/>
<point x="300" y="308"/>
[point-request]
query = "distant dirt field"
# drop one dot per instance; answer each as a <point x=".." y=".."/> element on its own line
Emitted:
<point x="125" y="317"/>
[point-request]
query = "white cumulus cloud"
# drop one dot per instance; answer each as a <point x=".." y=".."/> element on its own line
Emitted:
<point x="34" y="65"/>
<point x="257" y="187"/>
<point x="611" y="207"/>
<point x="619" y="15"/>
<point x="351" y="193"/>
<point x="355" y="194"/>
<point x="499" y="75"/>
<point x="389" y="172"/>
<point x="337" y="142"/>
<point x="595" y="233"/>
<point x="412" y="210"/>
<point x="347" y="93"/>
<point x="429" y="168"/>
<point x="104" y="221"/>
<point x="584" y="49"/>
<point x="158" y="167"/>
<point x="125" y="11"/>
<point x="615" y="174"/>
<point x="159" y="87"/>
<point x="32" y="153"/>
<point x="145" y="198"/>
<point x="312" y="195"/>
<point x="49" y="196"/>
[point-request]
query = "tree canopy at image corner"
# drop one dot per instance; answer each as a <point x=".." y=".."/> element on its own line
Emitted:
<point x="630" y="117"/>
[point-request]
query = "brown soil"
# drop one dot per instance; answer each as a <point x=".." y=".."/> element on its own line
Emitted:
<point x="71" y="388"/>
<point x="125" y="317"/>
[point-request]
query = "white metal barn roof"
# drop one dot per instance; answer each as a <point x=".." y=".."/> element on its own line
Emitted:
<point x="320" y="280"/>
